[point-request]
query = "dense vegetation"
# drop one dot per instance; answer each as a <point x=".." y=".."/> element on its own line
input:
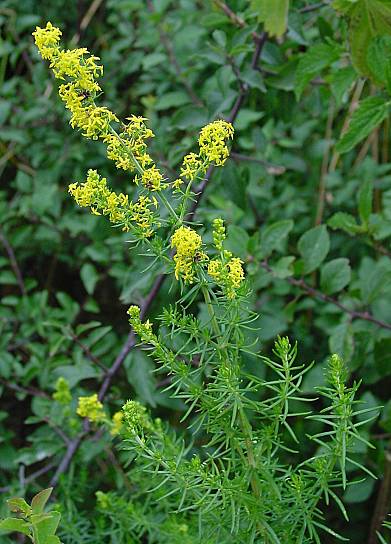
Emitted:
<point x="207" y="447"/>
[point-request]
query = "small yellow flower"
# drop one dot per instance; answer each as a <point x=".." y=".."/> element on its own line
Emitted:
<point x="188" y="246"/>
<point x="47" y="39"/>
<point x="228" y="274"/>
<point x="116" y="423"/>
<point x="91" y="407"/>
<point x="212" y="141"/>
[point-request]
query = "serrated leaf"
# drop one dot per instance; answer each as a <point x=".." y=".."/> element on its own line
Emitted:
<point x="370" y="113"/>
<point x="344" y="221"/>
<point x="379" y="60"/>
<point x="365" y="196"/>
<point x="273" y="235"/>
<point x="274" y="15"/>
<point x="312" y="63"/>
<point x="335" y="275"/>
<point x="40" y="499"/>
<point x="313" y="246"/>
<point x="367" y="19"/>
<point x="10" y="525"/>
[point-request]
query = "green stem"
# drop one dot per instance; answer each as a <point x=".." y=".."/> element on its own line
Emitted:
<point x="244" y="422"/>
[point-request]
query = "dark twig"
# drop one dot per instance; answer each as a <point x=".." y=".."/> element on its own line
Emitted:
<point x="313" y="7"/>
<point x="271" y="168"/>
<point x="86" y="350"/>
<point x="14" y="264"/>
<point x="74" y="444"/>
<point x="31" y="478"/>
<point x="34" y="392"/>
<point x="366" y="316"/>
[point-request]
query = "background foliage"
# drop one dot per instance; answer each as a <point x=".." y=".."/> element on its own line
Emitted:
<point x="311" y="220"/>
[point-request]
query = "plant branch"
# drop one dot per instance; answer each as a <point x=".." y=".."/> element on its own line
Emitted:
<point x="366" y="316"/>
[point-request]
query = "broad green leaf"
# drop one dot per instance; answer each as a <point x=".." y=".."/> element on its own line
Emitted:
<point x="10" y="525"/>
<point x="39" y="501"/>
<point x="341" y="80"/>
<point x="383" y="356"/>
<point x="46" y="528"/>
<point x="367" y="19"/>
<point x="379" y="60"/>
<point x="370" y="113"/>
<point x="273" y="235"/>
<point x="313" y="247"/>
<point x="18" y="504"/>
<point x="312" y="62"/>
<point x="89" y="277"/>
<point x="237" y="241"/>
<point x="365" y="195"/>
<point x="139" y="372"/>
<point x="341" y="341"/>
<point x="344" y="221"/>
<point x="274" y="15"/>
<point x="335" y="275"/>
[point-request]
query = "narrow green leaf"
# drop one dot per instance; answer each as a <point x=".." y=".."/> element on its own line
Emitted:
<point x="370" y="113"/>
<point x="365" y="195"/>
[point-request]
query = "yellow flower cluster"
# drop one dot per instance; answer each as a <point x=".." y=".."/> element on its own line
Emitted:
<point x="95" y="194"/>
<point x="79" y="70"/>
<point x="227" y="273"/>
<point x="47" y="39"/>
<point x="188" y="246"/>
<point x="116" y="423"/>
<point x="212" y="149"/>
<point x="91" y="407"/>
<point x="212" y="141"/>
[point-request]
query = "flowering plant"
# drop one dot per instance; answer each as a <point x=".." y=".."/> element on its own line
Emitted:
<point x="234" y="472"/>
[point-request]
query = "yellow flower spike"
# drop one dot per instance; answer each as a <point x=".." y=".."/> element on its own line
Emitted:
<point x="188" y="246"/>
<point x="91" y="407"/>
